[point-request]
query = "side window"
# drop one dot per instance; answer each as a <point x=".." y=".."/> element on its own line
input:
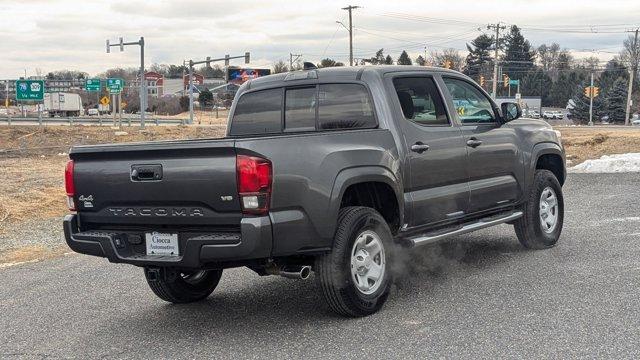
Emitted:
<point x="258" y="112"/>
<point x="344" y="106"/>
<point x="300" y="109"/>
<point x="420" y="100"/>
<point x="471" y="104"/>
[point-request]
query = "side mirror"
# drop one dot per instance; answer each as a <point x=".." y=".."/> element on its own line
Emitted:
<point x="510" y="111"/>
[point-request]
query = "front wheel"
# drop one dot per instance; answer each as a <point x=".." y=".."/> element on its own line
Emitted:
<point x="181" y="287"/>
<point x="543" y="213"/>
<point x="355" y="277"/>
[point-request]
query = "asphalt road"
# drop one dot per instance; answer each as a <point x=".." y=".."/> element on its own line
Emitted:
<point x="480" y="297"/>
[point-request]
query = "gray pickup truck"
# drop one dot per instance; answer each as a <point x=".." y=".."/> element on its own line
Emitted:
<point x="333" y="170"/>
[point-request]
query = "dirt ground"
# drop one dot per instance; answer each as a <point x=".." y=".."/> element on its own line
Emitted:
<point x="32" y="165"/>
<point x="582" y="143"/>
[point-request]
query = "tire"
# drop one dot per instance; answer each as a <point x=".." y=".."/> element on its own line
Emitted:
<point x="346" y="295"/>
<point x="531" y="231"/>
<point x="177" y="287"/>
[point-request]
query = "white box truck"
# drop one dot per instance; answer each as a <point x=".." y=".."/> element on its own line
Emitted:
<point x="63" y="104"/>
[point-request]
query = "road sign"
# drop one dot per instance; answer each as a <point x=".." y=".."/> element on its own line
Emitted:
<point x="518" y="96"/>
<point x="123" y="104"/>
<point x="514" y="82"/>
<point x="92" y="85"/>
<point x="115" y="85"/>
<point x="104" y="100"/>
<point x="30" y="90"/>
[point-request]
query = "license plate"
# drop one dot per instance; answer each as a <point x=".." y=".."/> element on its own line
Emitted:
<point x="162" y="244"/>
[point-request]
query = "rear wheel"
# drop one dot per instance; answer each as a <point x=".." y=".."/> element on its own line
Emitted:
<point x="355" y="277"/>
<point x="181" y="287"/>
<point x="543" y="213"/>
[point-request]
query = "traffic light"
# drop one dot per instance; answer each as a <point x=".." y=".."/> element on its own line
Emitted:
<point x="505" y="80"/>
<point x="591" y="91"/>
<point x="481" y="80"/>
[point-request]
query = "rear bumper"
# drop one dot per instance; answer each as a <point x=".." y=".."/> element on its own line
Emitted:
<point x="253" y="242"/>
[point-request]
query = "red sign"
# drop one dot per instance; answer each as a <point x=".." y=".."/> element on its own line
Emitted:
<point x="197" y="80"/>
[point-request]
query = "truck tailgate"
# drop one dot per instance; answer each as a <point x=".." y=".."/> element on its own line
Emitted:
<point x="171" y="183"/>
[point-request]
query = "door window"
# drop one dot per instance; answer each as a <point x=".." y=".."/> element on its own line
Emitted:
<point x="420" y="100"/>
<point x="471" y="104"/>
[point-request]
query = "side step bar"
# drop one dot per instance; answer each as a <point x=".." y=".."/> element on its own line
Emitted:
<point x="432" y="237"/>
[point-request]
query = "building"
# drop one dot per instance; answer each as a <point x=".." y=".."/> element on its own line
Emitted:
<point x="155" y="83"/>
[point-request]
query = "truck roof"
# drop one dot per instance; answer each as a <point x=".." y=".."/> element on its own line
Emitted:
<point x="337" y="73"/>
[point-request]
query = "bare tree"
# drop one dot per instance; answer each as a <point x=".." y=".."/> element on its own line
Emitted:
<point x="280" y="67"/>
<point x="449" y="58"/>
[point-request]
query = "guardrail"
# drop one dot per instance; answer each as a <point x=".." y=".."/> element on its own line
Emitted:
<point x="91" y="120"/>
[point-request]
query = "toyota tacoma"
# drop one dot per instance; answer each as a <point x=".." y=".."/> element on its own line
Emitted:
<point x="333" y="171"/>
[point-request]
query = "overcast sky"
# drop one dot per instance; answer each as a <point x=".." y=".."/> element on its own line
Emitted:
<point x="49" y="35"/>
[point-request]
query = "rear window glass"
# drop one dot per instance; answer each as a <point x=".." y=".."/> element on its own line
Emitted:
<point x="330" y="106"/>
<point x="344" y="106"/>
<point x="300" y="109"/>
<point x="258" y="112"/>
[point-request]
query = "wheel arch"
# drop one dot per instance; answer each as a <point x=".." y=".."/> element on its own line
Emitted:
<point x="548" y="156"/>
<point x="378" y="184"/>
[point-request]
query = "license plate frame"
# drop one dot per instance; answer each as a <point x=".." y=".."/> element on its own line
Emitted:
<point x="162" y="244"/>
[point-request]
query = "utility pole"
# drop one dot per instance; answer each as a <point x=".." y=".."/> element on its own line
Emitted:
<point x="634" y="58"/>
<point x="349" y="9"/>
<point x="291" y="60"/>
<point x="143" y="82"/>
<point x="591" y="102"/>
<point x="497" y="26"/>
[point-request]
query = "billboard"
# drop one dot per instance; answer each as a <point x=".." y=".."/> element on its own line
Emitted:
<point x="240" y="75"/>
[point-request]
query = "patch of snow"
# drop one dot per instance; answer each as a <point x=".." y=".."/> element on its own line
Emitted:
<point x="620" y="163"/>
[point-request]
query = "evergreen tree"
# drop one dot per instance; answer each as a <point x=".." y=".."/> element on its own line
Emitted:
<point x="616" y="100"/>
<point x="378" y="59"/>
<point x="613" y="71"/>
<point x="479" y="59"/>
<point x="404" y="59"/>
<point x="518" y="57"/>
<point x="388" y="60"/>
<point x="580" y="111"/>
<point x="421" y="61"/>
<point x="537" y="83"/>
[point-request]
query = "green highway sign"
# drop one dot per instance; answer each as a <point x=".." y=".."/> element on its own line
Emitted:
<point x="514" y="82"/>
<point x="92" y="85"/>
<point x="115" y="85"/>
<point x="30" y="90"/>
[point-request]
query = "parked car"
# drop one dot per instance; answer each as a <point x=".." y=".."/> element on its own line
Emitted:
<point x="534" y="114"/>
<point x="92" y="112"/>
<point x="558" y="115"/>
<point x="548" y="114"/>
<point x="340" y="171"/>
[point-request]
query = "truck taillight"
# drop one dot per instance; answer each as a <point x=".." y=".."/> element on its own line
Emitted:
<point x="69" y="185"/>
<point x="254" y="183"/>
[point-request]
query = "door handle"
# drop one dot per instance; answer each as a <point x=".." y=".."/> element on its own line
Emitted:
<point x="474" y="143"/>
<point x="419" y="147"/>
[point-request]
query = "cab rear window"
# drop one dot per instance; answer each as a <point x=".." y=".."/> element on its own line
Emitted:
<point x="258" y="112"/>
<point x="311" y="108"/>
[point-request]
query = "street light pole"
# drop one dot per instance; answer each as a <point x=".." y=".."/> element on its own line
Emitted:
<point x="497" y="27"/>
<point x="143" y="85"/>
<point x="208" y="61"/>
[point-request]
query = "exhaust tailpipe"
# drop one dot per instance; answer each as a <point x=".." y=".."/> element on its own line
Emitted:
<point x="291" y="272"/>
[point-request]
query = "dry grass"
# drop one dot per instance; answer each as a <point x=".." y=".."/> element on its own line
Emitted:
<point x="582" y="143"/>
<point x="30" y="253"/>
<point x="34" y="140"/>
<point x="31" y="188"/>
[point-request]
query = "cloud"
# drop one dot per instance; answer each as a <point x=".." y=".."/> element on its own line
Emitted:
<point x="58" y="34"/>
